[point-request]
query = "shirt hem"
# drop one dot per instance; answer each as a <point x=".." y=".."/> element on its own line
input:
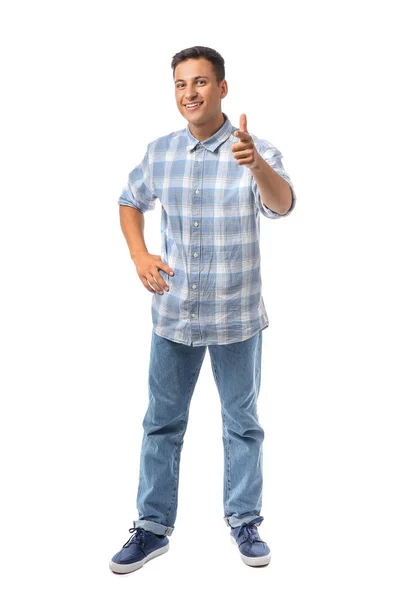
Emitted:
<point x="243" y="338"/>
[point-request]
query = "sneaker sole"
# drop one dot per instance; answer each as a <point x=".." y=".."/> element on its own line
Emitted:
<point x="252" y="561"/>
<point x="129" y="568"/>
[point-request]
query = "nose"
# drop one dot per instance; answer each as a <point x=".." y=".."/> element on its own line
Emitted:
<point x="190" y="93"/>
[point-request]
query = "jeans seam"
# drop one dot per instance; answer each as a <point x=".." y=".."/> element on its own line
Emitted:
<point x="227" y="444"/>
<point x="177" y="444"/>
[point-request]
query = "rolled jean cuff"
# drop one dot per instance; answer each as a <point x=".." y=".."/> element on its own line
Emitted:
<point x="157" y="528"/>
<point x="236" y="521"/>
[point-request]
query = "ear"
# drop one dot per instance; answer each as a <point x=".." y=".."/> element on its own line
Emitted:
<point x="224" y="88"/>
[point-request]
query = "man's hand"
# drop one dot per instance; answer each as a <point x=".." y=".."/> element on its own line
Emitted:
<point x="147" y="266"/>
<point x="245" y="151"/>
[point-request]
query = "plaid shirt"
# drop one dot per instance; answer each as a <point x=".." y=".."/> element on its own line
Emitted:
<point x="210" y="235"/>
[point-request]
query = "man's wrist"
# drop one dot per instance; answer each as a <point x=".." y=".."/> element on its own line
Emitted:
<point x="257" y="163"/>
<point x="135" y="254"/>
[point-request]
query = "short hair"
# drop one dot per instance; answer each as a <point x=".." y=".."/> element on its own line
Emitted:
<point x="201" y="52"/>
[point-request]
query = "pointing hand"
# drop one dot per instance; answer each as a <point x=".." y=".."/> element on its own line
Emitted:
<point x="244" y="151"/>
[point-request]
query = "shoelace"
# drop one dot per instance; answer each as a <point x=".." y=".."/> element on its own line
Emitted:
<point x="249" y="530"/>
<point x="136" y="538"/>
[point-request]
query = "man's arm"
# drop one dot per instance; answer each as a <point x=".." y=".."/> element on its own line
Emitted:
<point x="132" y="225"/>
<point x="275" y="192"/>
<point x="147" y="265"/>
<point x="271" y="185"/>
<point x="136" y="198"/>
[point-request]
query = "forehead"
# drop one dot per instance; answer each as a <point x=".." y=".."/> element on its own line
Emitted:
<point x="193" y="67"/>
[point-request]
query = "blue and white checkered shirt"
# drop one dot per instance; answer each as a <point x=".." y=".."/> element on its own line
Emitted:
<point x="210" y="234"/>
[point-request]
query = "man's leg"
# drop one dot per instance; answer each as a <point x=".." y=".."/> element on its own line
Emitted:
<point x="237" y="373"/>
<point x="173" y="373"/>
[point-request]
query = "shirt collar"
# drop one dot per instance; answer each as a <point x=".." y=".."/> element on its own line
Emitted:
<point x="215" y="140"/>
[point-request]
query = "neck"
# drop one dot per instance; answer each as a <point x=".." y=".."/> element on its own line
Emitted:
<point x="205" y="130"/>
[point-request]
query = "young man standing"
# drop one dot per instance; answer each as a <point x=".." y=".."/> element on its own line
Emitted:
<point x="213" y="180"/>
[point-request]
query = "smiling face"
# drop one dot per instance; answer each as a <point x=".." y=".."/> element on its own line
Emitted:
<point x="195" y="81"/>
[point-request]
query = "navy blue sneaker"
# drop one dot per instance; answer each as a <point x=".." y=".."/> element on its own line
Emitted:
<point x="141" y="547"/>
<point x="253" y="551"/>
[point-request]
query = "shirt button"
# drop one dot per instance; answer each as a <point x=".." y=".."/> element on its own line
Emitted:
<point x="196" y="224"/>
<point x="193" y="314"/>
<point x="195" y="254"/>
<point x="194" y="286"/>
<point x="197" y="192"/>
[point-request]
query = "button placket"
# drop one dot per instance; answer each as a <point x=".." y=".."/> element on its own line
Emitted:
<point x="194" y="267"/>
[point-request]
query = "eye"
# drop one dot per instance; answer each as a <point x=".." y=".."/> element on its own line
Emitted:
<point x="179" y="85"/>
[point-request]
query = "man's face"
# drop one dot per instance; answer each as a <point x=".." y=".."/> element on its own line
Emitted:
<point x="195" y="82"/>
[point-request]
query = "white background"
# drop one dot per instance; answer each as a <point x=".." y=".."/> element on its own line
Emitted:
<point x="86" y="85"/>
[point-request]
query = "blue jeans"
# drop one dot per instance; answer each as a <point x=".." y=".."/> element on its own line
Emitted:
<point x="173" y="373"/>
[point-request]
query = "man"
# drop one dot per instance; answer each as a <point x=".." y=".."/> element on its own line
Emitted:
<point x="213" y="180"/>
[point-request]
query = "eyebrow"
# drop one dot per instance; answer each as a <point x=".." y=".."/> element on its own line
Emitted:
<point x="197" y="77"/>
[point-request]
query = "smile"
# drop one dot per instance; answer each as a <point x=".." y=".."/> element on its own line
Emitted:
<point x="193" y="105"/>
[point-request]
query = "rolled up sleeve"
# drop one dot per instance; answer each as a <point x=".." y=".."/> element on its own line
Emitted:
<point x="274" y="158"/>
<point x="139" y="192"/>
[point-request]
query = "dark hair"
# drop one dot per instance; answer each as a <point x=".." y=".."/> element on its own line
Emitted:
<point x="202" y="52"/>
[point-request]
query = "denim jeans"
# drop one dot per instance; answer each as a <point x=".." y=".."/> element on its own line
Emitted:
<point x="173" y="373"/>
